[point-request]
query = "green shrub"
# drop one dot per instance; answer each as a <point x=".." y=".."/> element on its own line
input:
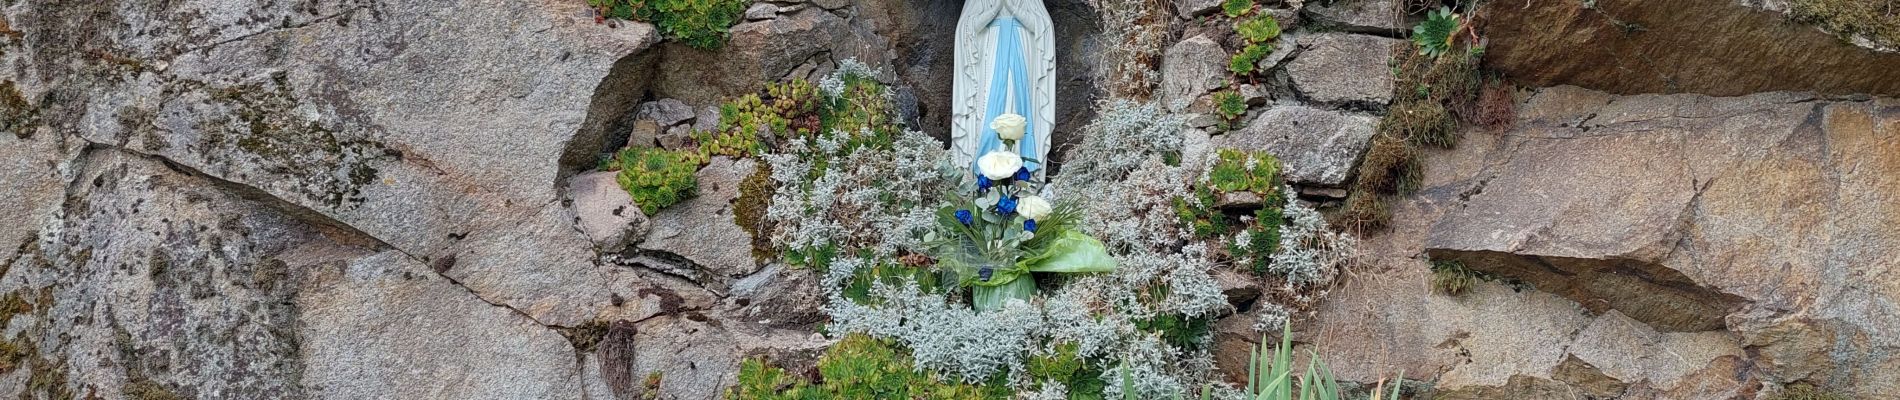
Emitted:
<point x="657" y="178"/>
<point x="1237" y="171"/>
<point x="862" y="108"/>
<point x="1199" y="215"/>
<point x="1067" y="367"/>
<point x="857" y="367"/>
<point x="701" y="24"/>
<point x="785" y="109"/>
<point x="1263" y="238"/>
<point x="1180" y="331"/>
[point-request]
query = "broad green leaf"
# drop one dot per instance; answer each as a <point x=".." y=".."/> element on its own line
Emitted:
<point x="990" y="298"/>
<point x="1072" y="251"/>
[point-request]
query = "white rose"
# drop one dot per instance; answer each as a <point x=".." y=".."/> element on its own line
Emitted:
<point x="1009" y="126"/>
<point x="1034" y="207"/>
<point x="999" y="165"/>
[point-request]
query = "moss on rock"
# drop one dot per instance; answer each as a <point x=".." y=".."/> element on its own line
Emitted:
<point x="1876" y="20"/>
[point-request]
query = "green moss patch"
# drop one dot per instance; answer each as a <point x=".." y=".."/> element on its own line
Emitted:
<point x="702" y="24"/>
<point x="17" y="115"/>
<point x="1876" y="20"/>
<point x="858" y="367"/>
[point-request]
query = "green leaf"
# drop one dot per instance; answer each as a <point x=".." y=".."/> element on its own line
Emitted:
<point x="1259" y="29"/>
<point x="990" y="298"/>
<point x="1236" y="8"/>
<point x="1072" y="252"/>
<point x="1433" y="36"/>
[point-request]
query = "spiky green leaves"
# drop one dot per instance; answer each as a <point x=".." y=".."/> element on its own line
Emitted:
<point x="1259" y="29"/>
<point x="1236" y="8"/>
<point x="1259" y="33"/>
<point x="657" y="178"/>
<point x="1230" y="105"/>
<point x="1433" y="37"/>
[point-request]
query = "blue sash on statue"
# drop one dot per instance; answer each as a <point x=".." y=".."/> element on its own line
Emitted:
<point x="1009" y="78"/>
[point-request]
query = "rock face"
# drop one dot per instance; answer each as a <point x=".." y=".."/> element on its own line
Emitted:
<point x="1189" y="69"/>
<point x="1344" y="69"/>
<point x="604" y="211"/>
<point x="1692" y="213"/>
<point x="1372" y="16"/>
<point x="1714" y="47"/>
<point x="765" y="51"/>
<point x="349" y="200"/>
<point x="1314" y="145"/>
<point x="1710" y="247"/>
<point x="713" y="250"/>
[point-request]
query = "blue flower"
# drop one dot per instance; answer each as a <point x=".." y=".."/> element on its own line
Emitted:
<point x="983" y="182"/>
<point x="965" y="217"/>
<point x="1029" y="225"/>
<point x="1006" y="205"/>
<point x="1022" y="174"/>
<point x="985" y="273"/>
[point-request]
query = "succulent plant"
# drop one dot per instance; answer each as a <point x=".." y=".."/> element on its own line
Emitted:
<point x="1434" y="35"/>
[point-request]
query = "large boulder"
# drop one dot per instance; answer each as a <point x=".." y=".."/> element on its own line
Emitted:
<point x="765" y="51"/>
<point x="1314" y="145"/>
<point x="339" y="110"/>
<point x="1716" y="47"/>
<point x="1763" y="216"/>
<point x="160" y="283"/>
<point x="383" y="327"/>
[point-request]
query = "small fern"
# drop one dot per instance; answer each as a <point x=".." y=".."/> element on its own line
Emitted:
<point x="1433" y="36"/>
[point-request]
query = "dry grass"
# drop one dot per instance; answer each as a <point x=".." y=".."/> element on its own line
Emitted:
<point x="1424" y="123"/>
<point x="1137" y="32"/>
<point x="1365" y="211"/>
<point x="1496" y="109"/>
<point x="1391" y="166"/>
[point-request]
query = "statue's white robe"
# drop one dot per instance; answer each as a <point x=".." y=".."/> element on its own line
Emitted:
<point x="975" y="60"/>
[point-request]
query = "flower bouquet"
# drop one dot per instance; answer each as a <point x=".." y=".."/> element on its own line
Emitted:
<point x="998" y="230"/>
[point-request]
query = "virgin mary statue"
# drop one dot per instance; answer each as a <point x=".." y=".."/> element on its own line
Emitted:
<point x="1005" y="64"/>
